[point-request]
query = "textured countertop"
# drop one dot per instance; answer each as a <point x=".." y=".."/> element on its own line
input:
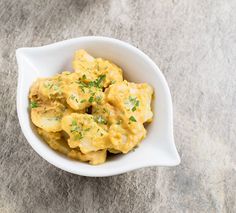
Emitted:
<point x="193" y="43"/>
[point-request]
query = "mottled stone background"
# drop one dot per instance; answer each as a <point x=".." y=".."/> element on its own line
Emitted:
<point x="194" y="44"/>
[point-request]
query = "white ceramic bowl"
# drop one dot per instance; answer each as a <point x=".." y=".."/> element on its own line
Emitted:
<point x="157" y="149"/>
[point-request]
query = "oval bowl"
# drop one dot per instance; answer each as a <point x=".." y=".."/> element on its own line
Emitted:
<point x="157" y="149"/>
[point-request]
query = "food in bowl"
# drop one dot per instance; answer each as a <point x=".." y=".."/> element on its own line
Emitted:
<point x="91" y="111"/>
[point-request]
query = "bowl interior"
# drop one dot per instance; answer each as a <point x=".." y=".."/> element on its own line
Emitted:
<point x="157" y="148"/>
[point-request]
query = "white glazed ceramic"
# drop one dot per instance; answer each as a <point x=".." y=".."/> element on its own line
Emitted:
<point x="157" y="149"/>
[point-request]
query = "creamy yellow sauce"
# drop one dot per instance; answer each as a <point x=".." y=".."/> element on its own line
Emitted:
<point x="91" y="111"/>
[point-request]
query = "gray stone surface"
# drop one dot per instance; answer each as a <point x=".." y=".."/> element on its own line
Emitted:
<point x="194" y="44"/>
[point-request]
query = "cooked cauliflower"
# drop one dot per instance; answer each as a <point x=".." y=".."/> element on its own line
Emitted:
<point x="84" y="133"/>
<point x="85" y="113"/>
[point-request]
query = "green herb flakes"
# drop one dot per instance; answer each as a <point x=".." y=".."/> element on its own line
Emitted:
<point x="132" y="118"/>
<point x="100" y="119"/>
<point x="100" y="79"/>
<point x="84" y="77"/>
<point x="91" y="99"/>
<point x="33" y="104"/>
<point x="74" y="123"/>
<point x="132" y="103"/>
<point x="105" y="110"/>
<point x="98" y="99"/>
<point x="72" y="97"/>
<point x="56" y="87"/>
<point x="90" y="84"/>
<point x="78" y="136"/>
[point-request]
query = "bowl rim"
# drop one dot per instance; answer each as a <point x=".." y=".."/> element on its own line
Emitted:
<point x="119" y="170"/>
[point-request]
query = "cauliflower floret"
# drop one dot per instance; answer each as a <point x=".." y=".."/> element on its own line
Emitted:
<point x="132" y="99"/>
<point x="104" y="115"/>
<point x="125" y="136"/>
<point x="84" y="133"/>
<point x="91" y="69"/>
<point x="80" y="96"/>
<point x="55" y="140"/>
<point x="47" y="116"/>
<point x="50" y="88"/>
<point x="85" y="65"/>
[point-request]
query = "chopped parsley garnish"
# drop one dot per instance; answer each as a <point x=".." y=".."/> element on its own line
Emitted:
<point x="56" y="87"/>
<point x="82" y="101"/>
<point x="72" y="97"/>
<point x="48" y="84"/>
<point x="84" y="77"/>
<point x="113" y="82"/>
<point x="105" y="110"/>
<point x="87" y="129"/>
<point x="100" y="79"/>
<point x="91" y="84"/>
<point x="132" y="103"/>
<point x="101" y="120"/>
<point x="74" y="126"/>
<point x="74" y="123"/>
<point x="33" y="104"/>
<point x="82" y="89"/>
<point x="98" y="99"/>
<point x="78" y="136"/>
<point x="95" y="83"/>
<point x="91" y="99"/>
<point x="132" y="118"/>
<point x="83" y="84"/>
